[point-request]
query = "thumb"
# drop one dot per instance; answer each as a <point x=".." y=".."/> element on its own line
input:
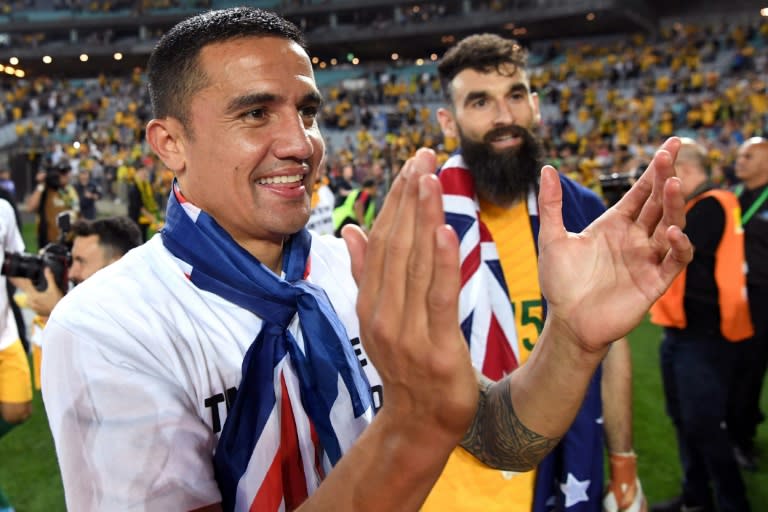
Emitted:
<point x="357" y="243"/>
<point x="550" y="206"/>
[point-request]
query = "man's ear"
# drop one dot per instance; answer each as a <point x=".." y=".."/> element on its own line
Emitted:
<point x="167" y="139"/>
<point x="535" y="108"/>
<point x="447" y="122"/>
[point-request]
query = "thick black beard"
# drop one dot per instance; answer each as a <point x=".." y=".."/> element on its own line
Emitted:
<point x="503" y="177"/>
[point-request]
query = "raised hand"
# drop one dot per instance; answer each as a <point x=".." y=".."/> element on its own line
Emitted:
<point x="408" y="277"/>
<point x="600" y="283"/>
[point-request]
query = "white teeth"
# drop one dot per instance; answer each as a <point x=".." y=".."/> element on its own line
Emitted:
<point x="280" y="179"/>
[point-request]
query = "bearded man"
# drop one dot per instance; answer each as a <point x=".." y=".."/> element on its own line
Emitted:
<point x="489" y="194"/>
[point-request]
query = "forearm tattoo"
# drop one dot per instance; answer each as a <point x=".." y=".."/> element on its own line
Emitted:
<point x="498" y="438"/>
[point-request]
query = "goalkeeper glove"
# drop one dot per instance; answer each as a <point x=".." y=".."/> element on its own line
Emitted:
<point x="624" y="494"/>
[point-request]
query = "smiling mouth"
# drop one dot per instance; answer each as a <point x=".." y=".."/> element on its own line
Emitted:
<point x="281" y="180"/>
<point x="506" y="138"/>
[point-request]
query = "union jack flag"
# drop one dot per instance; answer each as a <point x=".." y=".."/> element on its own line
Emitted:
<point x="486" y="315"/>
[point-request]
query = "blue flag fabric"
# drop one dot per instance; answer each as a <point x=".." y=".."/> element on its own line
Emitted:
<point x="571" y="477"/>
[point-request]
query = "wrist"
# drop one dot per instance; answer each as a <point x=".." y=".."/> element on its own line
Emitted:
<point x="570" y="344"/>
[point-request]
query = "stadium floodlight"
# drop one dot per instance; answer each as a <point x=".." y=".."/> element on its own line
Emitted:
<point x="334" y="62"/>
<point x="47" y="59"/>
<point x="14" y="61"/>
<point x="419" y="62"/>
<point x="20" y="73"/>
<point x="433" y="57"/>
<point x="10" y="70"/>
<point x="83" y="57"/>
<point x="118" y="56"/>
<point x="355" y="61"/>
<point x="764" y="11"/>
<point x="395" y="56"/>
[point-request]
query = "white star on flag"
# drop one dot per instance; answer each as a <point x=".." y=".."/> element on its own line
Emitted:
<point x="575" y="491"/>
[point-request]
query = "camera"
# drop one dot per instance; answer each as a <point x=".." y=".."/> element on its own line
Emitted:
<point x="53" y="175"/>
<point x="614" y="185"/>
<point x="55" y="255"/>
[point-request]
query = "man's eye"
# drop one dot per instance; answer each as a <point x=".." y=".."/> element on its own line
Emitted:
<point x="310" y="111"/>
<point x="257" y="113"/>
<point x="479" y="103"/>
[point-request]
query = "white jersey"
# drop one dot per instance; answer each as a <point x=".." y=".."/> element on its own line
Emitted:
<point x="321" y="216"/>
<point x="138" y="370"/>
<point x="11" y="241"/>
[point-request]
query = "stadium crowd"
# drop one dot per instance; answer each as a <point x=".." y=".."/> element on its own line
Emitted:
<point x="606" y="106"/>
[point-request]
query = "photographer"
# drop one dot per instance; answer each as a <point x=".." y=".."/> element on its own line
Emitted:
<point x="88" y="192"/>
<point x="96" y="244"/>
<point x="52" y="196"/>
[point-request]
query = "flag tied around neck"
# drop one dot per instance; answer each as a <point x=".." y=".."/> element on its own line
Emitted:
<point x="301" y="402"/>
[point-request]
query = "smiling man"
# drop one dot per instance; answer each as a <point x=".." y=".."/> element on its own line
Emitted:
<point x="490" y="198"/>
<point x="220" y="365"/>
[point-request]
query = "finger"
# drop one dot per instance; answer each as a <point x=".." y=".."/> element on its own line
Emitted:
<point x="420" y="262"/>
<point x="49" y="276"/>
<point x="673" y="212"/>
<point x="370" y="263"/>
<point x="23" y="284"/>
<point x="550" y="206"/>
<point x="400" y="241"/>
<point x="445" y="285"/>
<point x="631" y="204"/>
<point x="664" y="168"/>
<point x="357" y="244"/>
<point x="674" y="203"/>
<point x="680" y="253"/>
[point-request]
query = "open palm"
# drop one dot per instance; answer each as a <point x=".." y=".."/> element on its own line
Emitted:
<point x="601" y="282"/>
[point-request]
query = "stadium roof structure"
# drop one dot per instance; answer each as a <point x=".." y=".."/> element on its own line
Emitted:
<point x="341" y="30"/>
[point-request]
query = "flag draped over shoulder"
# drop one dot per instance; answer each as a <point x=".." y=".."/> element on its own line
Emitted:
<point x="486" y="315"/>
<point x="304" y="399"/>
<point x="571" y="477"/>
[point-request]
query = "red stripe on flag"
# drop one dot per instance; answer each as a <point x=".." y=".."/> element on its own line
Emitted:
<point x="485" y="234"/>
<point x="499" y="357"/>
<point x="270" y="493"/>
<point x="294" y="482"/>
<point x="470" y="265"/>
<point x="457" y="181"/>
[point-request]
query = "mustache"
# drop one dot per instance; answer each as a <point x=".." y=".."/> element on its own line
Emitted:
<point x="512" y="130"/>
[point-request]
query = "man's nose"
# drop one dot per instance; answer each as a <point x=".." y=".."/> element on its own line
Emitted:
<point x="505" y="114"/>
<point x="293" y="139"/>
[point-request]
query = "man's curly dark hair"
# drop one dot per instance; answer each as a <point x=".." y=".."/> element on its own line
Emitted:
<point x="483" y="53"/>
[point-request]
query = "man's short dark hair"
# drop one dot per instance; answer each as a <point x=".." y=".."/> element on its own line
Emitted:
<point x="483" y="53"/>
<point x="117" y="235"/>
<point x="174" y="69"/>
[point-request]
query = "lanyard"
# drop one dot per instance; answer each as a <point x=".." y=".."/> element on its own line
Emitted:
<point x="754" y="207"/>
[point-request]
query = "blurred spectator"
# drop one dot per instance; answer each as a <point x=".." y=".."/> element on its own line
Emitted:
<point x="88" y="193"/>
<point x="745" y="416"/>
<point x="705" y="314"/>
<point x="142" y="206"/>
<point x="52" y="195"/>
